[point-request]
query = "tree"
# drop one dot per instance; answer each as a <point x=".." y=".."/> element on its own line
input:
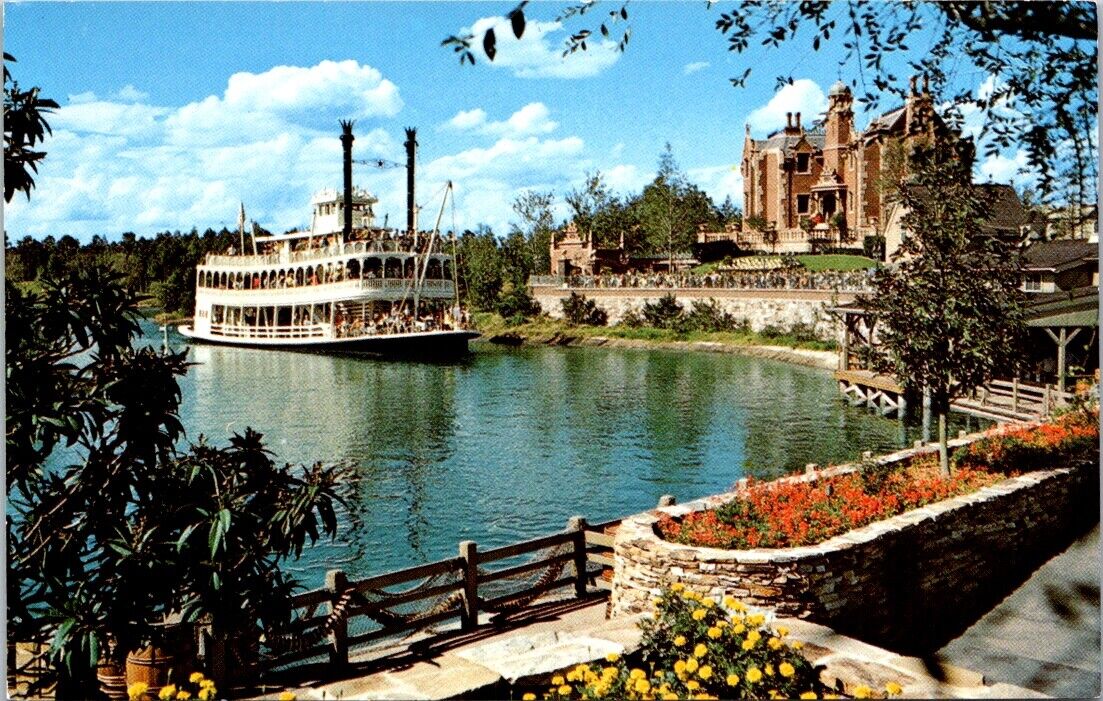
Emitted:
<point x="950" y="307"/>
<point x="587" y="202"/>
<point x="1042" y="56"/>
<point x="110" y="525"/>
<point x="24" y="126"/>
<point x="538" y="225"/>
<point x="480" y="266"/>
<point x="670" y="209"/>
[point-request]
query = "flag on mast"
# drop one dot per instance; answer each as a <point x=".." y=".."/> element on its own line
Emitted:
<point x="241" y="227"/>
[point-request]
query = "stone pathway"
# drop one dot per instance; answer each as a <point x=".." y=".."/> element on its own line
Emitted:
<point x="1046" y="635"/>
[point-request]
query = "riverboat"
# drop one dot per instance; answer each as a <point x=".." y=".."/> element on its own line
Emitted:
<point x="343" y="285"/>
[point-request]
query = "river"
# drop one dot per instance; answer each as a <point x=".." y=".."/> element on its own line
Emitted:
<point x="508" y="443"/>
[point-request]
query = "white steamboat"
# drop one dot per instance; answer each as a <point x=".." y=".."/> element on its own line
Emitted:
<point x="342" y="285"/>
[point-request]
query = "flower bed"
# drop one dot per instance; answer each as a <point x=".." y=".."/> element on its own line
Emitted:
<point x="786" y="514"/>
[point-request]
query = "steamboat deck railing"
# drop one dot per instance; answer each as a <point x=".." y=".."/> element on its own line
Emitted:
<point x="321" y="253"/>
<point x="435" y="287"/>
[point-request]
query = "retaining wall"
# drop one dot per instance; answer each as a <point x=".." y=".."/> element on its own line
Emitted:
<point x="760" y="308"/>
<point x="910" y="582"/>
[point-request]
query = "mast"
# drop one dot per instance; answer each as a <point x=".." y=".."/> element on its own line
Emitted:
<point x="429" y="247"/>
<point x="346" y="144"/>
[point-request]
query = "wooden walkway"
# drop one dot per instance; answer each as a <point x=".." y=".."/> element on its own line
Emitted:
<point x="875" y="391"/>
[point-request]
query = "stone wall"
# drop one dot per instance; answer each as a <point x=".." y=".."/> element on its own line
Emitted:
<point x="910" y="583"/>
<point x="761" y="308"/>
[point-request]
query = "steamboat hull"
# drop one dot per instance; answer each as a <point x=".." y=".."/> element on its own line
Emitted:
<point x="426" y="344"/>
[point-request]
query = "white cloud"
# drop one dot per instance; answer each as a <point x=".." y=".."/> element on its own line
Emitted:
<point x="694" y="67"/>
<point x="129" y="93"/>
<point x="468" y="119"/>
<point x="719" y="182"/>
<point x="802" y="96"/>
<point x="533" y="118"/>
<point x="539" y="51"/>
<point x="1000" y="168"/>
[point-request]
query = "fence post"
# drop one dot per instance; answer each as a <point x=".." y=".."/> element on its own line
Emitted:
<point x="1046" y="401"/>
<point x="1015" y="394"/>
<point x="469" y="551"/>
<point x="577" y="525"/>
<point x="336" y="584"/>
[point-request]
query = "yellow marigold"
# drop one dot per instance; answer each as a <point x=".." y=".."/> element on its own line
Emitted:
<point x="715" y="632"/>
<point x="738" y="628"/>
<point x="582" y="668"/>
<point x="670" y="696"/>
<point x="677" y="586"/>
<point x="657" y="601"/>
<point x="769" y="670"/>
<point x="893" y="689"/>
<point x="708" y="602"/>
<point x="167" y="692"/>
<point x="679" y="641"/>
<point x="754" y="635"/>
<point x="700" y="650"/>
<point x="786" y="669"/>
<point x="207" y="693"/>
<point x="284" y="695"/>
<point x="572" y="676"/>
<point x="721" y="623"/>
<point x="733" y="679"/>
<point x="756" y="619"/>
<point x="680" y="666"/>
<point x="774" y="643"/>
<point x="862" y="692"/>
<point x="529" y="697"/>
<point x="691" y="665"/>
<point x="557" y="680"/>
<point x="609" y="672"/>
<point x="564" y="690"/>
<point x="754" y="675"/>
<point x="690" y="595"/>
<point x="643" y="686"/>
<point x="748" y="644"/>
<point x="693" y="685"/>
<point x="195" y="677"/>
<point x="808" y="695"/>
<point x="729" y="601"/>
<point x="796" y="645"/>
<point x="183" y="695"/>
<point x="637" y="674"/>
<point x="704" y="672"/>
<point x="774" y="694"/>
<point x="699" y="614"/>
<point x="209" y="684"/>
<point x="136" y="689"/>
<point x="782" y="631"/>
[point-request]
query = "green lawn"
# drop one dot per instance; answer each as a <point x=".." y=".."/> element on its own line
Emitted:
<point x="836" y="262"/>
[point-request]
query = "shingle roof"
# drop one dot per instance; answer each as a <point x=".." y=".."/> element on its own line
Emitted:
<point x="783" y="142"/>
<point x="1060" y="254"/>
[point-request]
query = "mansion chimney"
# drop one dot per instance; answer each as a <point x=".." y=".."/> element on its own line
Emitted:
<point x="411" y="157"/>
<point x="346" y="144"/>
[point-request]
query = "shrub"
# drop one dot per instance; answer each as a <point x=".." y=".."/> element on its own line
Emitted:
<point x="710" y="316"/>
<point x="517" y="302"/>
<point x="874" y="247"/>
<point x="580" y="311"/>
<point x="664" y="314"/>
<point x="632" y="319"/>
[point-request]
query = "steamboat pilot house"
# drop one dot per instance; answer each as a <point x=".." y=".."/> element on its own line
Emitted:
<point x="368" y="290"/>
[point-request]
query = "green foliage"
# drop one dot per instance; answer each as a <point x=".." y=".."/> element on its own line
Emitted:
<point x="666" y="313"/>
<point x="25" y="126"/>
<point x="834" y="261"/>
<point x="756" y="222"/>
<point x="110" y="525"/>
<point x="710" y="316"/>
<point x="517" y="303"/>
<point x="480" y="267"/>
<point x="873" y="246"/>
<point x="670" y="209"/>
<point x="580" y="311"/>
<point x="538" y="225"/>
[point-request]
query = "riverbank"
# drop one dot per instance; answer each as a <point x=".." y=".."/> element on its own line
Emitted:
<point x="556" y="332"/>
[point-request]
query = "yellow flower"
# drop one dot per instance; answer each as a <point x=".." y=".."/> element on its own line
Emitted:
<point x="700" y="650"/>
<point x="643" y="686"/>
<point x="756" y="619"/>
<point x="708" y="602"/>
<point x="733" y="679"/>
<point x="183" y="695"/>
<point x="769" y="670"/>
<point x="693" y="685"/>
<point x="207" y="693"/>
<point x="690" y="595"/>
<point x="564" y="690"/>
<point x="808" y="695"/>
<point x="715" y="632"/>
<point x="862" y="692"/>
<point x="691" y="665"/>
<point x="637" y="674"/>
<point x="721" y="623"/>
<point x="677" y="586"/>
<point x="670" y="696"/>
<point x="754" y="636"/>
<point x="609" y="672"/>
<point x="572" y="676"/>
<point x="699" y="614"/>
<point x="729" y="601"/>
<point x="284" y="695"/>
<point x="529" y="697"/>
<point x="557" y="680"/>
<point x="195" y="677"/>
<point x="680" y="667"/>
<point x="754" y="674"/>
<point x="748" y="644"/>
<point x="657" y="601"/>
<point x="796" y="645"/>
<point x="582" y="668"/>
<point x="705" y="672"/>
<point x="167" y="692"/>
<point x="680" y="641"/>
<point x="893" y="688"/>
<point x="786" y="669"/>
<point x="774" y="643"/>
<point x="738" y="628"/>
<point x="209" y="684"/>
<point x="782" y="631"/>
<point x="136" y="689"/>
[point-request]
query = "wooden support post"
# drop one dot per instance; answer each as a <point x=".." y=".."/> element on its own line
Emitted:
<point x="469" y="551"/>
<point x="577" y="525"/>
<point x="336" y="584"/>
<point x="1046" y="400"/>
<point x="1014" y="394"/>
<point x="961" y="433"/>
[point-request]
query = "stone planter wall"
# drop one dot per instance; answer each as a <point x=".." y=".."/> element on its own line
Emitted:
<point x="909" y="583"/>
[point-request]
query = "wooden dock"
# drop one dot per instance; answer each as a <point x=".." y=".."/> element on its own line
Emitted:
<point x="875" y="391"/>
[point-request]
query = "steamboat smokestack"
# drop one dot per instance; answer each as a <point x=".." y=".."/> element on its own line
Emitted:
<point x="346" y="143"/>
<point x="411" y="205"/>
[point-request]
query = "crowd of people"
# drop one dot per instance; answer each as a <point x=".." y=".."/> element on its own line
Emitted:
<point x="777" y="279"/>
<point x="398" y="321"/>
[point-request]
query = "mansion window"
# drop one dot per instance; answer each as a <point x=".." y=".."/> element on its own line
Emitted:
<point x="804" y="163"/>
<point x="802" y="204"/>
<point x="1033" y="282"/>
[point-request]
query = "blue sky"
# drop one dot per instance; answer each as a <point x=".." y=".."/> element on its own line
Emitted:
<point x="172" y="113"/>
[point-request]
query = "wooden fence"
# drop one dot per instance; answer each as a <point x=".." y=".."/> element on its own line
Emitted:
<point x="463" y="587"/>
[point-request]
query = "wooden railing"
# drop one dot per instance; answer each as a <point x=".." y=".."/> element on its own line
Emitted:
<point x="458" y="588"/>
<point x="1021" y="396"/>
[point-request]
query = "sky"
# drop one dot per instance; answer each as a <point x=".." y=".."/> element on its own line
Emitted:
<point x="174" y="113"/>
